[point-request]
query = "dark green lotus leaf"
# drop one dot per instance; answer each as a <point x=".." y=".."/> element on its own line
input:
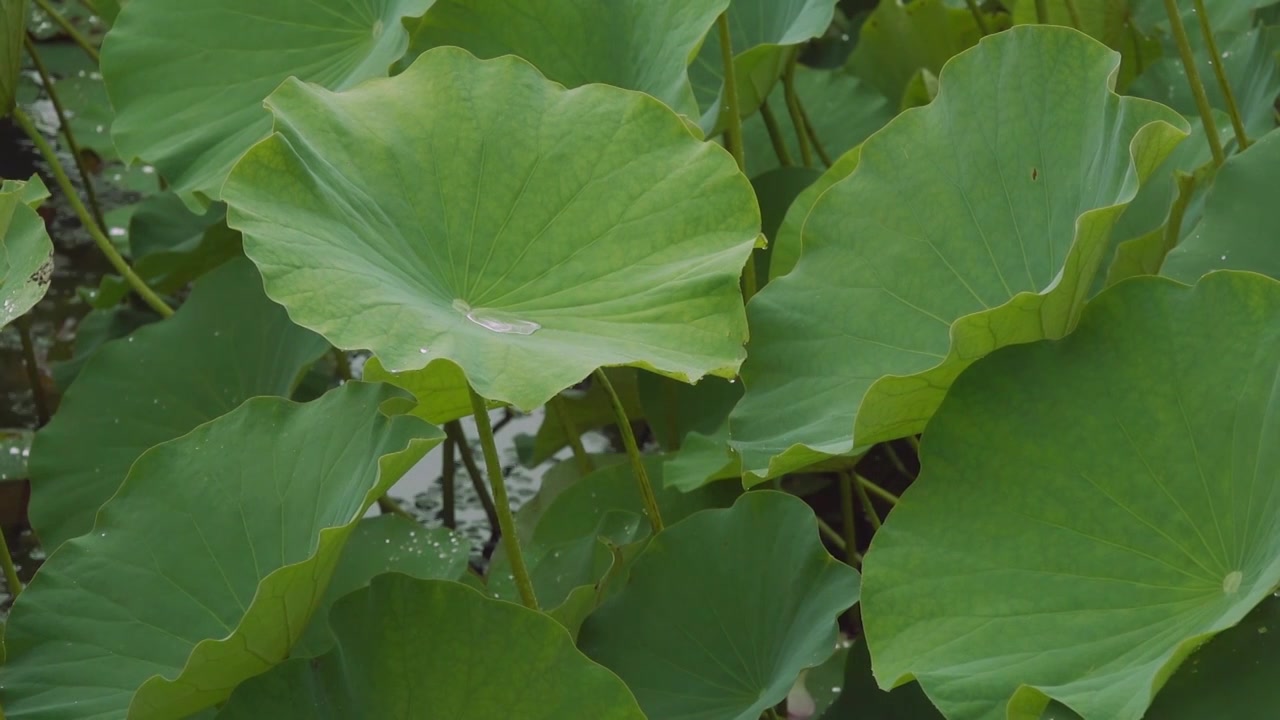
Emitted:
<point x="1115" y="492"/>
<point x="692" y="424"/>
<point x="958" y="232"/>
<point x="1224" y="15"/>
<point x="205" y="567"/>
<point x="163" y="62"/>
<point x="701" y="631"/>
<point x="1237" y="230"/>
<point x="1250" y="62"/>
<point x="843" y="110"/>
<point x="1234" y="676"/>
<point x="586" y="410"/>
<point x="776" y="191"/>
<point x="96" y="329"/>
<point x="385" y="666"/>
<point x="547" y="232"/>
<point x="633" y="44"/>
<point x="228" y="343"/>
<point x="900" y="38"/>
<point x="786" y="246"/>
<point x="13" y="24"/>
<point x="26" y="252"/>
<point x="387" y="543"/>
<point x="1107" y="21"/>
<point x="861" y="699"/>
<point x="171" y="246"/>
<point x="761" y="31"/>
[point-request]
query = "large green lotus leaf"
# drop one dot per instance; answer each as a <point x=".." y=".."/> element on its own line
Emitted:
<point x="205" y="567"/>
<point x="187" y="81"/>
<point x="1116" y="495"/>
<point x="634" y="44"/>
<point x="588" y="410"/>
<point x="1234" y="676"/>
<point x="959" y="232"/>
<point x="1249" y="59"/>
<point x="724" y="610"/>
<point x="1237" y="230"/>
<point x="786" y="246"/>
<point x="899" y="39"/>
<point x="1107" y="21"/>
<point x="760" y="32"/>
<point x="383" y="544"/>
<point x="228" y="343"/>
<point x="843" y="110"/>
<point x="435" y="649"/>
<point x="554" y="232"/>
<point x="26" y="252"/>
<point x="13" y="13"/>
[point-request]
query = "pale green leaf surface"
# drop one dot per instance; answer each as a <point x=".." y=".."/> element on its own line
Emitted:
<point x="228" y="343"/>
<point x="383" y="544"/>
<point x="1107" y="21"/>
<point x="898" y="39"/>
<point x="760" y="32"/>
<point x="546" y="232"/>
<point x="1115" y="495"/>
<point x="723" y="611"/>
<point x="503" y="662"/>
<point x="188" y="80"/>
<point x="440" y="388"/>
<point x="959" y="232"/>
<point x="633" y="44"/>
<point x="205" y="567"/>
<point x="26" y="252"/>
<point x="1238" y="229"/>
<point x="843" y="110"/>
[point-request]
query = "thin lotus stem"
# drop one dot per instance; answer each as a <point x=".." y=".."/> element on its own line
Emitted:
<point x="10" y="572"/>
<point x="872" y="516"/>
<point x="896" y="460"/>
<point x="1215" y="59"/>
<point x="633" y="453"/>
<point x="977" y="17"/>
<point x="1193" y="80"/>
<point x="388" y="506"/>
<point x="847" y="517"/>
<point x="33" y="370"/>
<point x="831" y="534"/>
<point x="915" y="443"/>
<point x="561" y="411"/>
<point x="69" y="29"/>
<point x="1186" y="183"/>
<point x="506" y="521"/>
<point x="1042" y="12"/>
<point x="775" y="135"/>
<point x="813" y="134"/>
<point x="46" y="80"/>
<point x="99" y="237"/>
<point x="793" y="107"/>
<point x="733" y="121"/>
<point x="877" y="490"/>
<point x="771" y="714"/>
<point x="453" y="431"/>
<point x="1074" y="13"/>
<point x="448" y="474"/>
<point x="342" y="363"/>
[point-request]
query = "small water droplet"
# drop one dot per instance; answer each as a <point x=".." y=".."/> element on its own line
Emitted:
<point x="1262" y="630"/>
<point x="1231" y="583"/>
<point x="118" y="232"/>
<point x="422" y="350"/>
